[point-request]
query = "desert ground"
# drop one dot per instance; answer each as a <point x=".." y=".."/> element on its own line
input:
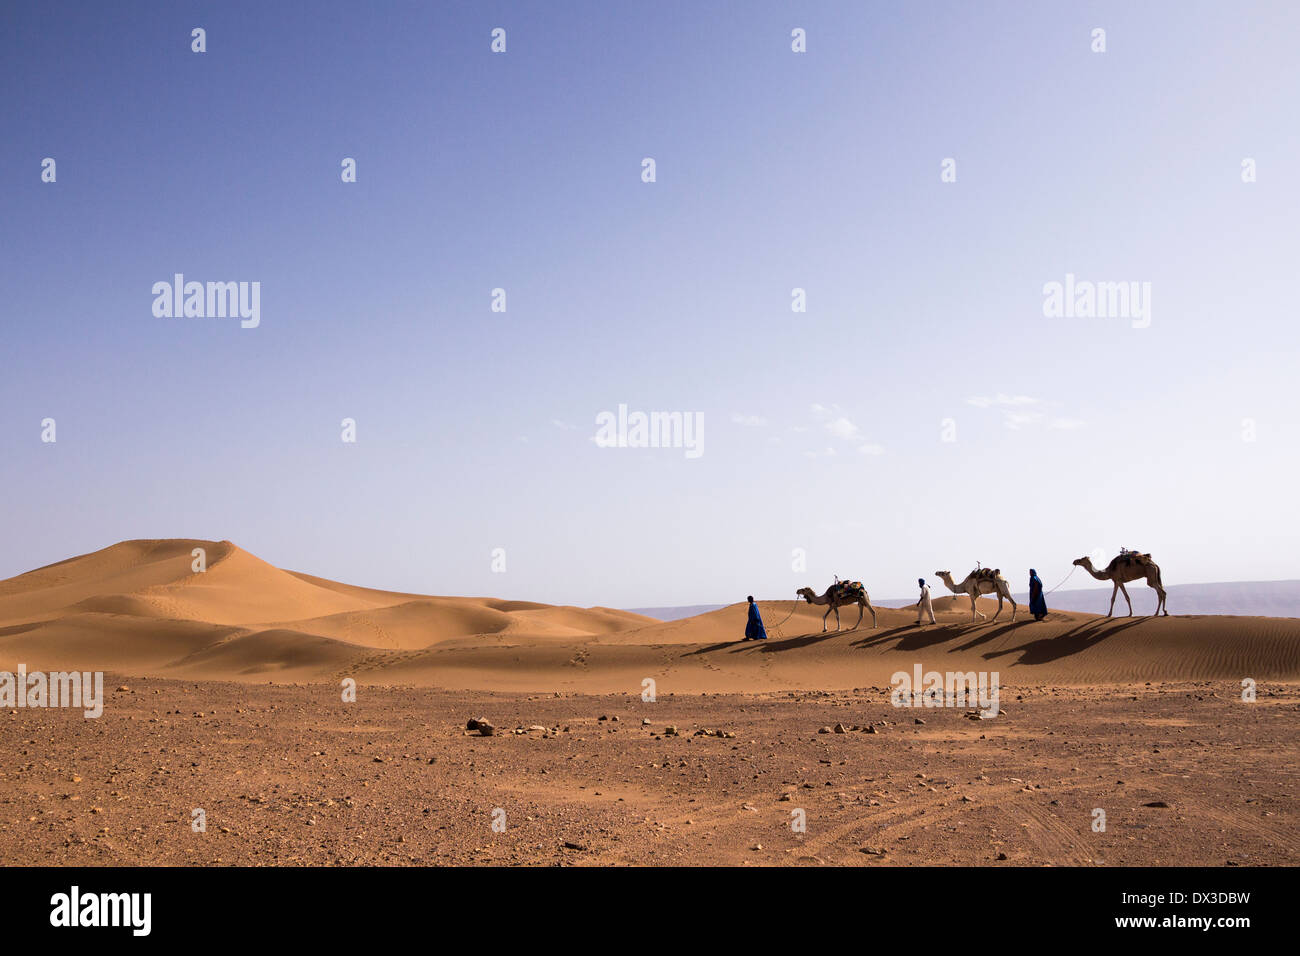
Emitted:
<point x="225" y="693"/>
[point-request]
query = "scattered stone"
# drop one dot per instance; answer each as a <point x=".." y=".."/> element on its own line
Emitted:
<point x="840" y="729"/>
<point x="1158" y="804"/>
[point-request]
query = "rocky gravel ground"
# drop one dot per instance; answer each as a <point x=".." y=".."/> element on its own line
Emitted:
<point x="223" y="773"/>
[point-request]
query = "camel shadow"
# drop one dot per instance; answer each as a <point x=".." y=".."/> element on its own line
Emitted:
<point x="919" y="637"/>
<point x="984" y="636"/>
<point x="1074" y="641"/>
<point x="774" y="645"/>
<point x="871" y="639"/>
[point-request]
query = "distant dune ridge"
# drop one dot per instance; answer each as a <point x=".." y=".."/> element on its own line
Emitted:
<point x="138" y="608"/>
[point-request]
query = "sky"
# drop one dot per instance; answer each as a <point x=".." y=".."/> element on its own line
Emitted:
<point x="925" y="411"/>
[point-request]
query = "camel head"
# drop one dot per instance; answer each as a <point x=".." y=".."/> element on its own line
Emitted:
<point x="1084" y="562"/>
<point x="946" y="578"/>
<point x="807" y="594"/>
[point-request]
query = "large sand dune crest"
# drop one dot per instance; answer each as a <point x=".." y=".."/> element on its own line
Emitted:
<point x="139" y="608"/>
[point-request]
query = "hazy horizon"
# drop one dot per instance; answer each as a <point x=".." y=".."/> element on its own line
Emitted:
<point x="928" y="410"/>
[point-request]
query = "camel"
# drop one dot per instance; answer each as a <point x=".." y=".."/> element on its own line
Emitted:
<point x="981" y="581"/>
<point x="838" y="595"/>
<point x="1124" y="567"/>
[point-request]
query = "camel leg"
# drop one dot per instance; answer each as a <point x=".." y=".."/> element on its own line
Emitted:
<point x="974" y="612"/>
<point x="837" y="619"/>
<point x="855" y="626"/>
<point x="1013" y="606"/>
<point x="873" y="614"/>
<point x="1113" y="591"/>
<point x="1160" y="595"/>
<point x="824" y="617"/>
<point x="999" y="594"/>
<point x="1126" y="598"/>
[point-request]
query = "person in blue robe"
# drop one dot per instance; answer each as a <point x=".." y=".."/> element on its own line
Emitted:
<point x="754" y="630"/>
<point x="1037" y="603"/>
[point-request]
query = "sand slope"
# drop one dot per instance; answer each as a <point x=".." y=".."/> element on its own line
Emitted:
<point x="138" y="608"/>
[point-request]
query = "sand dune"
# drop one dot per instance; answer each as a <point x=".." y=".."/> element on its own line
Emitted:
<point x="138" y="608"/>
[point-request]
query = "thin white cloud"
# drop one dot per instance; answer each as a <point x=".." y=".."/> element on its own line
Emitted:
<point x="1017" y="420"/>
<point x="749" y="421"/>
<point x="1000" y="400"/>
<point x="1022" y="411"/>
<point x="842" y="428"/>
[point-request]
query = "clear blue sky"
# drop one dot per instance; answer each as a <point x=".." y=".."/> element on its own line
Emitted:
<point x="775" y="170"/>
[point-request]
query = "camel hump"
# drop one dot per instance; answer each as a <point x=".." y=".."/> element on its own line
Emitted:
<point x="1134" y="557"/>
<point x="1127" y="558"/>
<point x="986" y="574"/>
